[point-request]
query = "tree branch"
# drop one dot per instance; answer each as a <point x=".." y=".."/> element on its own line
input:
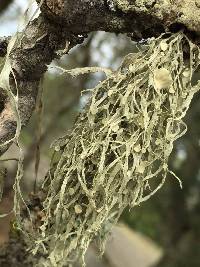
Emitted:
<point x="29" y="59"/>
<point x="145" y="19"/>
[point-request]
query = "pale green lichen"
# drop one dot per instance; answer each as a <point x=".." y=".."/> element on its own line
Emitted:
<point x="117" y="154"/>
<point x="138" y="5"/>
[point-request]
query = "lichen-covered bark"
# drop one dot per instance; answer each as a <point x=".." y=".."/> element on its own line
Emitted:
<point x="29" y="59"/>
<point x="143" y="18"/>
<point x="185" y="12"/>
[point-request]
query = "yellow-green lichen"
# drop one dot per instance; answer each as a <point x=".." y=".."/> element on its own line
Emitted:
<point x="117" y="154"/>
<point x="138" y="5"/>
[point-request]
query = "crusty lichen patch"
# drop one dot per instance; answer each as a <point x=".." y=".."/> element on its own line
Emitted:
<point x="117" y="154"/>
<point x="140" y="5"/>
<point x="190" y="14"/>
<point x="56" y="7"/>
<point x="184" y="12"/>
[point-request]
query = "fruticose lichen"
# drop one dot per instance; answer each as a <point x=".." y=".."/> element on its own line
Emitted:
<point x="117" y="155"/>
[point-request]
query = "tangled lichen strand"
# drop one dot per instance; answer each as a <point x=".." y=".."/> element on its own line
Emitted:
<point x="117" y="154"/>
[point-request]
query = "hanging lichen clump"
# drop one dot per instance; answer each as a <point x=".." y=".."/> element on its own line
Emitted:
<point x="117" y="154"/>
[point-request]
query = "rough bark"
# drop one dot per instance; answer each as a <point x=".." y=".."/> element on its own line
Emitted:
<point x="144" y="18"/>
<point x="29" y="59"/>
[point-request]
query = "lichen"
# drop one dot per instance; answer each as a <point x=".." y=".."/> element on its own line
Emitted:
<point x="137" y="5"/>
<point x="117" y="155"/>
<point x="187" y="12"/>
<point x="56" y="7"/>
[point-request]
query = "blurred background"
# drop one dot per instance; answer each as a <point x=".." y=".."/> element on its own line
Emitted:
<point x="163" y="232"/>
